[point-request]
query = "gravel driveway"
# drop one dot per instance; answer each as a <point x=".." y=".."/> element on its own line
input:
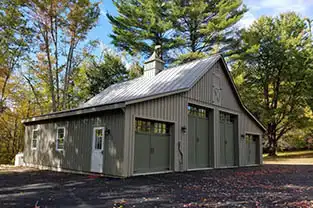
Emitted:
<point x="267" y="186"/>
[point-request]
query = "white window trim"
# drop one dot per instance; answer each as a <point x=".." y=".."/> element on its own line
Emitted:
<point x="57" y="137"/>
<point x="94" y="137"/>
<point x="32" y="147"/>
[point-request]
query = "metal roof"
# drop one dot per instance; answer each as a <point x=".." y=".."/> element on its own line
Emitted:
<point x="169" y="81"/>
<point x="178" y="78"/>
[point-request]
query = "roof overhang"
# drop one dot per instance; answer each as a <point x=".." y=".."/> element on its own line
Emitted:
<point x="74" y="112"/>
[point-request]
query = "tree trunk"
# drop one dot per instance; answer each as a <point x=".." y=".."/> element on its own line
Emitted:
<point x="272" y="144"/>
<point x="67" y="75"/>
<point x="50" y="70"/>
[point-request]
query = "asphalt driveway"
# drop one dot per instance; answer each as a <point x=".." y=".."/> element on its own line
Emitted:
<point x="267" y="186"/>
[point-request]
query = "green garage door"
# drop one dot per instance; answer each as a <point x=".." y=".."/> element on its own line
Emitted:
<point x="152" y="146"/>
<point x="198" y="137"/>
<point x="252" y="149"/>
<point x="227" y="139"/>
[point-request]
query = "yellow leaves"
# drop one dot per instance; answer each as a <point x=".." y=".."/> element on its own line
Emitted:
<point x="308" y="112"/>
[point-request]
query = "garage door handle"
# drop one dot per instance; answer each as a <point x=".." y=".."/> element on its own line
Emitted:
<point x="197" y="139"/>
<point x="151" y="150"/>
<point x="225" y="142"/>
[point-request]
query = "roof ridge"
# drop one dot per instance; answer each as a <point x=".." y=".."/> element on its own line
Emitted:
<point x="204" y="58"/>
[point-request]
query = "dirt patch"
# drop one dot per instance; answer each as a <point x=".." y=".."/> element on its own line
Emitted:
<point x="12" y="169"/>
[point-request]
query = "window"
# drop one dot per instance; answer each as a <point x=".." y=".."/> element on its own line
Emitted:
<point x="98" y="138"/>
<point x="197" y="111"/>
<point x="160" y="128"/>
<point x="155" y="127"/>
<point x="228" y="118"/>
<point x="143" y="126"/>
<point x="251" y="137"/>
<point x="60" y="138"/>
<point x="35" y="138"/>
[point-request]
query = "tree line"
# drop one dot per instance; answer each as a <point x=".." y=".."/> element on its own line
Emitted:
<point x="48" y="64"/>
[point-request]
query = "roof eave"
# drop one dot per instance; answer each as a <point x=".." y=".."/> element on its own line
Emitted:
<point x="74" y="112"/>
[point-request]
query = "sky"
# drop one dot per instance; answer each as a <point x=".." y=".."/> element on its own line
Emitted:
<point x="256" y="8"/>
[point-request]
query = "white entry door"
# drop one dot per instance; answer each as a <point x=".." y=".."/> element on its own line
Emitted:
<point x="97" y="150"/>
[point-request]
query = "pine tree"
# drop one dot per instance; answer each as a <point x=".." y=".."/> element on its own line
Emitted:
<point x="205" y="25"/>
<point x="179" y="26"/>
<point x="108" y="71"/>
<point x="142" y="24"/>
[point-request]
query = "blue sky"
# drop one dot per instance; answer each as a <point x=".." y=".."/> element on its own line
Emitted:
<point x="257" y="8"/>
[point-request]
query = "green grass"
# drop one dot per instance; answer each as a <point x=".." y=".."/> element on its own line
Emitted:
<point x="297" y="157"/>
<point x="291" y="154"/>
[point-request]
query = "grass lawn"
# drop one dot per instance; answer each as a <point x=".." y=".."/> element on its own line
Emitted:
<point x="297" y="157"/>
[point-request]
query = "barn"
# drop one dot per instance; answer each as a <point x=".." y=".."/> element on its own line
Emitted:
<point x="185" y="118"/>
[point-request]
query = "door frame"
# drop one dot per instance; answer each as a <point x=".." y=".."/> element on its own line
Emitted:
<point x="236" y="137"/>
<point x="173" y="139"/>
<point x="211" y="134"/>
<point x="259" y="147"/>
<point x="93" y="149"/>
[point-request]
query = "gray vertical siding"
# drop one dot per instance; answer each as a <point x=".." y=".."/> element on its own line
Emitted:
<point x="174" y="108"/>
<point x="248" y="126"/>
<point x="202" y="94"/>
<point x="78" y="143"/>
<point x="171" y="109"/>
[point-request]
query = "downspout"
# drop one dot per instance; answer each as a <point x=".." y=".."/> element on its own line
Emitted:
<point x="181" y="156"/>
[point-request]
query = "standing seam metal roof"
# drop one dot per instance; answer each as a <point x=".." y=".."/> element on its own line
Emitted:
<point x="169" y="80"/>
<point x="172" y="80"/>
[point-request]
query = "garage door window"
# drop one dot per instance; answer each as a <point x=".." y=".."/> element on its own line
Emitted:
<point x="161" y="128"/>
<point x="227" y="118"/>
<point x="145" y="126"/>
<point x="197" y="111"/>
<point x="251" y="137"/>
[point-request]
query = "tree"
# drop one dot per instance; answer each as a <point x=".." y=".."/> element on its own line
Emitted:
<point x="12" y="130"/>
<point x="135" y="70"/>
<point x="109" y="71"/>
<point x="61" y="26"/>
<point x="15" y="37"/>
<point x="205" y="25"/>
<point x="273" y="69"/>
<point x="141" y="25"/>
<point x="197" y="27"/>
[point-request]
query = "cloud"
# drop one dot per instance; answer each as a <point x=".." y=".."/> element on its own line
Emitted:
<point x="274" y="7"/>
<point x="279" y="6"/>
<point x="247" y="20"/>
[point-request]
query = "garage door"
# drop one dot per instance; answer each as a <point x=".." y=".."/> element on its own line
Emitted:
<point x="198" y="137"/>
<point x="227" y="139"/>
<point x="252" y="149"/>
<point x="152" y="146"/>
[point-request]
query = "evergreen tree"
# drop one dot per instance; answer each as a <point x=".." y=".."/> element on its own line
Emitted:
<point x="142" y="24"/>
<point x="205" y="25"/>
<point x="179" y="26"/>
<point x="109" y="71"/>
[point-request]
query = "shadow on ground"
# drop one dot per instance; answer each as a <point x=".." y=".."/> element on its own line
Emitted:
<point x="267" y="186"/>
